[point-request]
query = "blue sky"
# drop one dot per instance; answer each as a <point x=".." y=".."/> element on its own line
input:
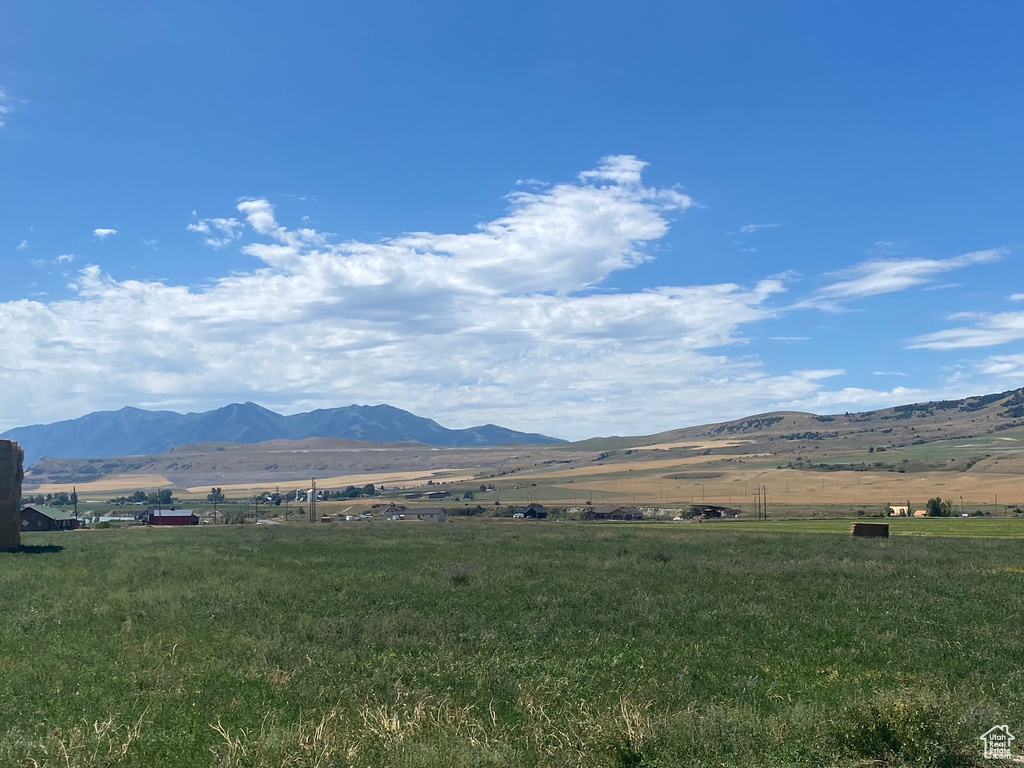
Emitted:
<point x="572" y="218"/>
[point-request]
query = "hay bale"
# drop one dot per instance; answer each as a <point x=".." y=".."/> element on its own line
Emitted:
<point x="11" y="474"/>
<point x="870" y="530"/>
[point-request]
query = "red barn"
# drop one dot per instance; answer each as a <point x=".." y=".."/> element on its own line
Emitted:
<point x="171" y="517"/>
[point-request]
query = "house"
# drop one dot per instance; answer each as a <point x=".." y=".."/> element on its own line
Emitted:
<point x="536" y="511"/>
<point x="170" y="517"/>
<point x="920" y="513"/>
<point x="42" y="518"/>
<point x="400" y="512"/>
<point x="430" y="514"/>
<point x="388" y="511"/>
<point x="899" y="511"/>
<point x="611" y="512"/>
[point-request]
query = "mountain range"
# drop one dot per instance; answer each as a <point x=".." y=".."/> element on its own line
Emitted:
<point x="134" y="431"/>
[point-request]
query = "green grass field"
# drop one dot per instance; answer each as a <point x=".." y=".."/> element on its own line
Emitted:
<point x="491" y="643"/>
<point x="971" y="527"/>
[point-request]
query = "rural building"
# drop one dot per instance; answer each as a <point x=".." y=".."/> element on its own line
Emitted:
<point x="707" y="511"/>
<point x="401" y="512"/>
<point x="430" y="514"/>
<point x="611" y="512"/>
<point x="920" y="513"/>
<point x="40" y="518"/>
<point x="170" y="517"/>
<point x="899" y="511"/>
<point x="536" y="511"/>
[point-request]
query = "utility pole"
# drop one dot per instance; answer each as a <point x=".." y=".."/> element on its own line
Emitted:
<point x="312" y="500"/>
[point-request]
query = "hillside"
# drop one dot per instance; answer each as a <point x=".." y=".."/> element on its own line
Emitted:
<point x="982" y="434"/>
<point x="784" y="432"/>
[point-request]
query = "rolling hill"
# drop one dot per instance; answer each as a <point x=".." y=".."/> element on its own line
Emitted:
<point x="974" y="435"/>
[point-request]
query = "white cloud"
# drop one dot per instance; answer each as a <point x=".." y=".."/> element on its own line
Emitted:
<point x="1017" y="297"/>
<point x="987" y="330"/>
<point x="229" y="229"/>
<point x="498" y="324"/>
<point x="8" y="104"/>
<point x="64" y="258"/>
<point x="748" y="228"/>
<point x="103" y="234"/>
<point x="1006" y="368"/>
<point x="880" y="276"/>
<point x="23" y="245"/>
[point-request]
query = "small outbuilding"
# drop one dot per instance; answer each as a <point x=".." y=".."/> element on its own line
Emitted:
<point x="43" y="518"/>
<point x="534" y="511"/>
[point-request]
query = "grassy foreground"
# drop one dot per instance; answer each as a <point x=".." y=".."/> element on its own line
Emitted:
<point x="506" y="644"/>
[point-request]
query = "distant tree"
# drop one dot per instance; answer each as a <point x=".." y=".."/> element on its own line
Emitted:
<point x="468" y="496"/>
<point x="939" y="507"/>
<point x="162" y="497"/>
<point x="140" y="496"/>
<point x="216" y="496"/>
<point x="351" y="492"/>
<point x="369" y="490"/>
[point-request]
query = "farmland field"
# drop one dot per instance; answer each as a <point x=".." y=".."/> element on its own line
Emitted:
<point x="491" y="643"/>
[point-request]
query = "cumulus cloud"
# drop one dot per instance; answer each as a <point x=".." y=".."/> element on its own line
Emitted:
<point x="880" y="276"/>
<point x="221" y="231"/>
<point x="103" y="234"/>
<point x="500" y="324"/>
<point x="507" y="323"/>
<point x="23" y="245"/>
